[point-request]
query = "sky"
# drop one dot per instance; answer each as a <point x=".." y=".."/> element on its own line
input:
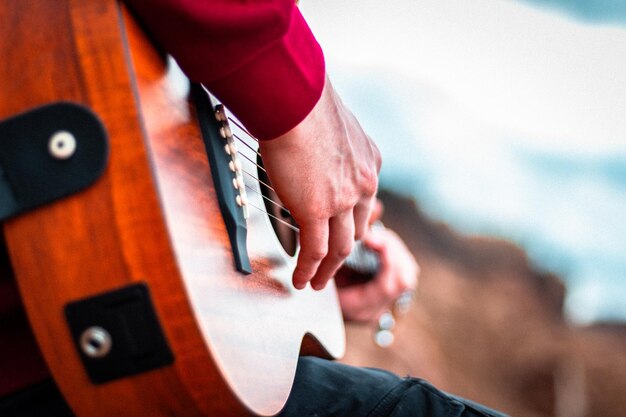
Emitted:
<point x="500" y="117"/>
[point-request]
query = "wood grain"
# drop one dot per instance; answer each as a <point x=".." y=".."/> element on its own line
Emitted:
<point x="152" y="218"/>
<point x="228" y="304"/>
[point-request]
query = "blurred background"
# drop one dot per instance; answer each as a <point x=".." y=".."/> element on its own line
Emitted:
<point x="502" y="125"/>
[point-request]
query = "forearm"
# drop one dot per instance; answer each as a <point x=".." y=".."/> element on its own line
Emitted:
<point x="260" y="58"/>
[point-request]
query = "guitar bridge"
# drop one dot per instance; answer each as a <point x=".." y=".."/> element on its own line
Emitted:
<point x="227" y="174"/>
<point x="234" y="165"/>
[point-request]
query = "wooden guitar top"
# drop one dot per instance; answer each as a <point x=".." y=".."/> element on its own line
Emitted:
<point x="153" y="218"/>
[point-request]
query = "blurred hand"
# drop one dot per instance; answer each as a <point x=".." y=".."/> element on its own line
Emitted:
<point x="325" y="171"/>
<point x="398" y="273"/>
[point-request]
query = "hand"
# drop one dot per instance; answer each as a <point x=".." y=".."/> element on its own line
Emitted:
<point x="325" y="171"/>
<point x="398" y="274"/>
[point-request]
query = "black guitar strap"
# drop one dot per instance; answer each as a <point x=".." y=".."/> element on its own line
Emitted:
<point x="48" y="153"/>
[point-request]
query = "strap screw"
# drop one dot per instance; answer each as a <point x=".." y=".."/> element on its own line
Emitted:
<point x="96" y="342"/>
<point x="62" y="145"/>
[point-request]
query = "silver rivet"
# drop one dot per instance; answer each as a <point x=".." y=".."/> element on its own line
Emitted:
<point x="231" y="166"/>
<point x="403" y="303"/>
<point x="239" y="201"/>
<point x="386" y="321"/>
<point x="62" y="145"/>
<point x="235" y="184"/>
<point x="96" y="342"/>
<point x="384" y="338"/>
<point x="227" y="149"/>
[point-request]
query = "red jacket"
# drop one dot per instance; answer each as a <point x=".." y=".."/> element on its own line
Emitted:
<point x="257" y="56"/>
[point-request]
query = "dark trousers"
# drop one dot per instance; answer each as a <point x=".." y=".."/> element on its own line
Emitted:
<point x="322" y="388"/>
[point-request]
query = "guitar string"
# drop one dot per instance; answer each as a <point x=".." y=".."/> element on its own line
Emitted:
<point x="280" y="206"/>
<point x="259" y="167"/>
<point x="296" y="229"/>
<point x="268" y="199"/>
<point x="243" y="129"/>
<point x="246" y="144"/>
<point x="277" y="204"/>
<point x="400" y="357"/>
<point x="260" y="181"/>
<point x="291" y="226"/>
<point x="251" y="161"/>
<point x="236" y="123"/>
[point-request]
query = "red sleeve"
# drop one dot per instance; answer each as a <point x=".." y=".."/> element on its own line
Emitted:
<point x="258" y="57"/>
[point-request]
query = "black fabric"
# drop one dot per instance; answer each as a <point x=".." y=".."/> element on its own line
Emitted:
<point x="29" y="175"/>
<point x="322" y="389"/>
<point x="325" y="388"/>
<point x="42" y="400"/>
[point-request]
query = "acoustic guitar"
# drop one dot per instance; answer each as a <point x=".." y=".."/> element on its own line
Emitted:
<point x="148" y="243"/>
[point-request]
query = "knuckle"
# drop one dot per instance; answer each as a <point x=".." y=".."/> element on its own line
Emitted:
<point x="335" y="204"/>
<point x="378" y="158"/>
<point x="318" y="254"/>
<point x="301" y="275"/>
<point x="405" y="285"/>
<point x="392" y="295"/>
<point x="343" y="203"/>
<point x="343" y="251"/>
<point x="392" y="291"/>
<point x="376" y="155"/>
<point x="369" y="182"/>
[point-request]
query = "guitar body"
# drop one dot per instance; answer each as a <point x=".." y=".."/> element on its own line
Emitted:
<point x="152" y="218"/>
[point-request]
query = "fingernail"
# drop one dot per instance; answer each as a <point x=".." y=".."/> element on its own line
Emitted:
<point x="318" y="286"/>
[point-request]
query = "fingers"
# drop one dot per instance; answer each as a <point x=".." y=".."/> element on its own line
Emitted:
<point x="395" y="255"/>
<point x="341" y="239"/>
<point x="361" y="216"/>
<point x="377" y="211"/>
<point x="328" y="161"/>
<point x="397" y="275"/>
<point x="376" y="240"/>
<point x="361" y="303"/>
<point x="365" y="303"/>
<point x="313" y="249"/>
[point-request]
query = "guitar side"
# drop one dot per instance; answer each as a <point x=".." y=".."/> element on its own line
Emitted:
<point x="152" y="218"/>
